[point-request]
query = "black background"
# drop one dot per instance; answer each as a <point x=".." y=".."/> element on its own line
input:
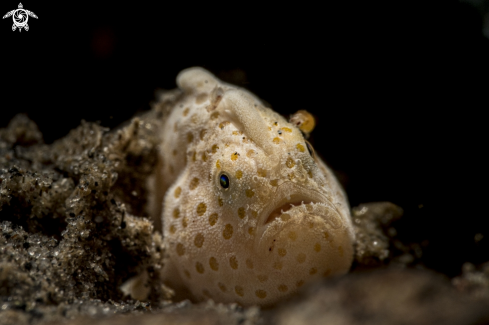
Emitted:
<point x="399" y="89"/>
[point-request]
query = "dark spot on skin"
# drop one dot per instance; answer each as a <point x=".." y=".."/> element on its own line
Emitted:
<point x="276" y="123"/>
<point x="279" y="132"/>
<point x="273" y="245"/>
<point x="123" y="223"/>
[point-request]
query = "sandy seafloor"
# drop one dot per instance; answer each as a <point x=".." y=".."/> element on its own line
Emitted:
<point x="73" y="229"/>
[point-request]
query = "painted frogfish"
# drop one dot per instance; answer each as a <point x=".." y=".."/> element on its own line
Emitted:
<point x="250" y="213"/>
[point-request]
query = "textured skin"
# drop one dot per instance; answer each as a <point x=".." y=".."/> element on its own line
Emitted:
<point x="235" y="244"/>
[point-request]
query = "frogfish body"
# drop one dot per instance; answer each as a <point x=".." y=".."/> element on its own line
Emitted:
<point x="250" y="213"/>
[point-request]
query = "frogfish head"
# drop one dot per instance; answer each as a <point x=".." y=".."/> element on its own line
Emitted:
<point x="258" y="214"/>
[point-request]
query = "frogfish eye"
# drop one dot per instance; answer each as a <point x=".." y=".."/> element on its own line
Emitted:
<point x="224" y="181"/>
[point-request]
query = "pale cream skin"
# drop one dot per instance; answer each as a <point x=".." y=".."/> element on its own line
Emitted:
<point x="283" y="220"/>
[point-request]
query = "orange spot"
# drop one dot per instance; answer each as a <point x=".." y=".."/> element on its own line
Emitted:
<point x="239" y="174"/>
<point x="177" y="192"/>
<point x="239" y="291"/>
<point x="213" y="264"/>
<point x="276" y="140"/>
<point x="290" y="162"/>
<point x="201" y="208"/>
<point x="283" y="288"/>
<point x="199" y="240"/>
<point x="300" y="147"/>
<point x="206" y="293"/>
<point x="222" y="287"/>
<point x="292" y="235"/>
<point x="227" y="233"/>
<point x="199" y="267"/>
<point x="241" y="212"/>
<point x="202" y="134"/>
<point x="233" y="262"/>
<point x="327" y="273"/>
<point x="262" y="172"/>
<point x="180" y="249"/>
<point x="234" y="156"/>
<point x="317" y="247"/>
<point x="213" y="219"/>
<point x="285" y="129"/>
<point x="194" y="183"/>
<point x="250" y="193"/>
<point x="223" y="124"/>
<point x="261" y="294"/>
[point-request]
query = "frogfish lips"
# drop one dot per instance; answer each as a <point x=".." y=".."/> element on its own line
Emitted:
<point x="304" y="236"/>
